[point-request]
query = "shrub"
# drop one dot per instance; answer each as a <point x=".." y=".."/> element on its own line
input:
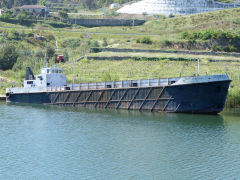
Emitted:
<point x="226" y="49"/>
<point x="63" y="15"/>
<point x="50" y="37"/>
<point x="105" y="42"/>
<point x="50" y="51"/>
<point x="167" y="43"/>
<point x="228" y="41"/>
<point x="95" y="50"/>
<point x="8" y="56"/>
<point x="95" y="44"/>
<point x="23" y="15"/>
<point x="66" y="56"/>
<point x="146" y="40"/>
<point x="107" y="76"/>
<point x="114" y="13"/>
<point x="39" y="53"/>
<point x="30" y="34"/>
<point x="215" y="48"/>
<point x="72" y="43"/>
<point x="233" y="48"/>
<point x="207" y="35"/>
<point x="13" y="35"/>
<point x="184" y="35"/>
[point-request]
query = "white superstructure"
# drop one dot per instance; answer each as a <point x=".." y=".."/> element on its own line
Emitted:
<point x="49" y="77"/>
<point x="167" y="7"/>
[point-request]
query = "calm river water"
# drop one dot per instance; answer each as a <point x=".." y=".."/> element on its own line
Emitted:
<point x="57" y="143"/>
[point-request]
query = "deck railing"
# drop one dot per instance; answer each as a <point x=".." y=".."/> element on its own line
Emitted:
<point x="141" y="83"/>
<point x="122" y="84"/>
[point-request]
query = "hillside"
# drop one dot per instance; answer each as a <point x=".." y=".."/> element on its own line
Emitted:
<point x="176" y="33"/>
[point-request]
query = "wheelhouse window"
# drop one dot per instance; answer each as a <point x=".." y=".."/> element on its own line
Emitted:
<point x="40" y="77"/>
<point x="29" y="82"/>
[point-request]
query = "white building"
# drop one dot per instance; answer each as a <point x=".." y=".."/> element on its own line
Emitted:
<point x="35" y="9"/>
<point x="114" y="5"/>
<point x="167" y="7"/>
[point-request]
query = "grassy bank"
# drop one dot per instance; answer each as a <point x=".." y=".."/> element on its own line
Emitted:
<point x="99" y="71"/>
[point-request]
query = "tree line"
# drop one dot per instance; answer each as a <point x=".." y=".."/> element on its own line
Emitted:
<point x="89" y="4"/>
<point x="15" y="3"/>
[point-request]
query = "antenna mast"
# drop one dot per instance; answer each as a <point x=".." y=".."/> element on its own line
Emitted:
<point x="45" y="62"/>
<point x="198" y="67"/>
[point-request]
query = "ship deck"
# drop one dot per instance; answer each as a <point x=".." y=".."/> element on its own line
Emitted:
<point x="140" y="83"/>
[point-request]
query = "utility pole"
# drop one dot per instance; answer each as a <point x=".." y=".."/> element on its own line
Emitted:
<point x="167" y="30"/>
<point x="74" y="71"/>
<point x="56" y="43"/>
<point x="75" y="22"/>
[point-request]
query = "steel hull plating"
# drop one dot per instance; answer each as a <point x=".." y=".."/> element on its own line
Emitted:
<point x="190" y="98"/>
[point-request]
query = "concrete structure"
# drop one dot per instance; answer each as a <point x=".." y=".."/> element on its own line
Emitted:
<point x="167" y="7"/>
<point x="107" y="22"/>
<point x="35" y="9"/>
<point x="1" y="12"/>
<point x="38" y="37"/>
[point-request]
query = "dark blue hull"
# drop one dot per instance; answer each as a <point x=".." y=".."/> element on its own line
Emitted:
<point x="190" y="98"/>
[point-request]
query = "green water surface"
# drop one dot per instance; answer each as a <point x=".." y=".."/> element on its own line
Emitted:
<point x="42" y="142"/>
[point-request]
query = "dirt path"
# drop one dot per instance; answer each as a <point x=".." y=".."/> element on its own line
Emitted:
<point x="4" y="79"/>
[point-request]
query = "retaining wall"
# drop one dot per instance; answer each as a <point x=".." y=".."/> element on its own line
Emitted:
<point x="107" y="22"/>
<point x="165" y="51"/>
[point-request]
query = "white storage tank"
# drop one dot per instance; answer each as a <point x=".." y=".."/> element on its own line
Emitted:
<point x="167" y="7"/>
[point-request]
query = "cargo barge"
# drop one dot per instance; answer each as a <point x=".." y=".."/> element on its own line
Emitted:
<point x="193" y="94"/>
<point x="2" y="98"/>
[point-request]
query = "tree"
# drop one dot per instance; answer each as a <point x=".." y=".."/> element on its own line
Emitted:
<point x="63" y="15"/>
<point x="14" y="35"/>
<point x="8" y="56"/>
<point x="66" y="56"/>
<point x="7" y="3"/>
<point x="43" y="3"/>
<point x="50" y="51"/>
<point x="90" y="4"/>
<point x="7" y="14"/>
<point x="14" y="3"/>
<point x="23" y="15"/>
<point x="24" y="2"/>
<point x="105" y="42"/>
